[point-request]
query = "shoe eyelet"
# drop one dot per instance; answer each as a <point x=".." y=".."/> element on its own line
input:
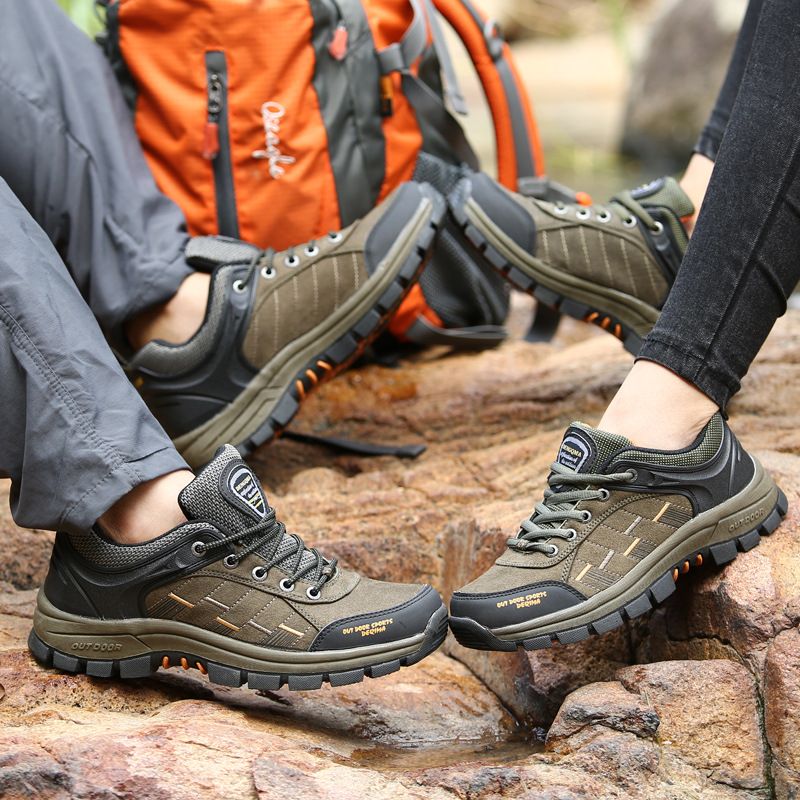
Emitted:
<point x="259" y="574"/>
<point x="604" y="494"/>
<point x="573" y="535"/>
<point x="286" y="585"/>
<point x="561" y="210"/>
<point x="634" y="476"/>
<point x="583" y="213"/>
<point x="195" y="551"/>
<point x="335" y="237"/>
<point x="311" y="251"/>
<point x="604" y="216"/>
<point x="586" y="515"/>
<point x="312" y="593"/>
<point x="238" y="287"/>
<point x="231" y="562"/>
<point x="659" y="228"/>
<point x="291" y="261"/>
<point x="630" y="222"/>
<point x="268" y="273"/>
<point x="553" y="551"/>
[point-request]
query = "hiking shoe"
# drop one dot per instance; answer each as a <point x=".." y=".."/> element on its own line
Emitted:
<point x="612" y="265"/>
<point x="228" y="592"/>
<point x="279" y="324"/>
<point x="615" y="529"/>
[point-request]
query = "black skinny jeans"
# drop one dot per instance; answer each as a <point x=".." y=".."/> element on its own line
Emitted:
<point x="743" y="259"/>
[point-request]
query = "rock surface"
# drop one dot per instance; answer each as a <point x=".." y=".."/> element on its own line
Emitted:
<point x="716" y="717"/>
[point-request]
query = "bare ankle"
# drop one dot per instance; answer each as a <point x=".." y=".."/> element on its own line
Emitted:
<point x="178" y="319"/>
<point x="695" y="183"/>
<point x="148" y="510"/>
<point x="657" y="409"/>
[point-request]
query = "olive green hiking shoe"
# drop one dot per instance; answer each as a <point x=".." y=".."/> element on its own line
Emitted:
<point x="615" y="529"/>
<point x="228" y="592"/>
<point x="279" y="324"/>
<point x="612" y="265"/>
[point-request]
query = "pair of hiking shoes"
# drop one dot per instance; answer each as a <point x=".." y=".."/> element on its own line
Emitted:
<point x="231" y="593"/>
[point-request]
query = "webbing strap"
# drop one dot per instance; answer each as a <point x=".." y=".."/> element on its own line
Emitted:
<point x="399" y="57"/>
<point x="451" y="88"/>
<point x="478" y="337"/>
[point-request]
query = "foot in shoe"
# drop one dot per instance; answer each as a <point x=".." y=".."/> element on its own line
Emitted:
<point x="278" y="324"/>
<point x="228" y="592"/>
<point x="612" y="265"/>
<point x="615" y="529"/>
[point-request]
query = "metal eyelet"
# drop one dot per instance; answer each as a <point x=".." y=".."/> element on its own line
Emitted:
<point x="604" y="494"/>
<point x="604" y="216"/>
<point x="573" y="535"/>
<point x="335" y="236"/>
<point x="553" y="551"/>
<point x="286" y="585"/>
<point x="311" y="251"/>
<point x="634" y="476"/>
<point x="259" y="574"/>
<point x="268" y="273"/>
<point x="291" y="261"/>
<point x="586" y="515"/>
<point x="583" y="213"/>
<point x="312" y="593"/>
<point x="560" y="210"/>
<point x="238" y="287"/>
<point x="231" y="562"/>
<point x="630" y="222"/>
<point x="195" y="551"/>
<point x="659" y="228"/>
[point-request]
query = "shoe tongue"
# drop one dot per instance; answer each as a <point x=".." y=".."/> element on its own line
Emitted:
<point x="226" y="492"/>
<point x="585" y="449"/>
<point x="664" y="192"/>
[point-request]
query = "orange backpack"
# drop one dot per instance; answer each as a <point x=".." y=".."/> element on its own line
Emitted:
<point x="276" y="121"/>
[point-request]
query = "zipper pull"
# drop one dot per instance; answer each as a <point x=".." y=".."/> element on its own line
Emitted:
<point x="211" y="133"/>
<point x="387" y="93"/>
<point x="338" y="45"/>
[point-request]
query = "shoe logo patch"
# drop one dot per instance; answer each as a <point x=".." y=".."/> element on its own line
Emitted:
<point x="245" y="491"/>
<point x="576" y="450"/>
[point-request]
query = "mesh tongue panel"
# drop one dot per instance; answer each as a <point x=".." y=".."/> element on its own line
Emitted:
<point x="228" y="494"/>
<point x="665" y="192"/>
<point x="584" y="449"/>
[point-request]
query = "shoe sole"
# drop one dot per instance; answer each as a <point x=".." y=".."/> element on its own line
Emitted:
<point x="270" y="401"/>
<point x="622" y="315"/>
<point x="191" y="647"/>
<point x="575" y="624"/>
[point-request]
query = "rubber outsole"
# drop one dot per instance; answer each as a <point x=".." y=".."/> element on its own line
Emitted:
<point x="226" y="675"/>
<point x="472" y="634"/>
<point x="581" y="311"/>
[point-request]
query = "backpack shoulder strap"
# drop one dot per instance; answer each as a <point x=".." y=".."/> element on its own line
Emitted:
<point x="519" y="149"/>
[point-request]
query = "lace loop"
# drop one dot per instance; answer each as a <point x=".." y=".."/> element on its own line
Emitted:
<point x="567" y="489"/>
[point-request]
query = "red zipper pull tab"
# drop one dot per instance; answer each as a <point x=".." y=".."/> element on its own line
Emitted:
<point x="338" y="45"/>
<point x="211" y="140"/>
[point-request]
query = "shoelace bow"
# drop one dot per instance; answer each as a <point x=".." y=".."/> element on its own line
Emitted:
<point x="270" y="533"/>
<point x="558" y="507"/>
<point x="623" y="204"/>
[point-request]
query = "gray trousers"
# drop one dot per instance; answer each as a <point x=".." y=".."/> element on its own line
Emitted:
<point x="85" y="238"/>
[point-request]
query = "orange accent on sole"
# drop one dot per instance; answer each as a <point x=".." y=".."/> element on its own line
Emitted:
<point x="699" y="560"/>
<point x="202" y="669"/>
<point x="313" y="375"/>
<point x="301" y="390"/>
<point x="165" y="662"/>
<point x="686" y="567"/>
<point x="324" y="366"/>
<point x="592" y="317"/>
<point x="605" y="323"/>
<point x="675" y="574"/>
<point x="618" y="332"/>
